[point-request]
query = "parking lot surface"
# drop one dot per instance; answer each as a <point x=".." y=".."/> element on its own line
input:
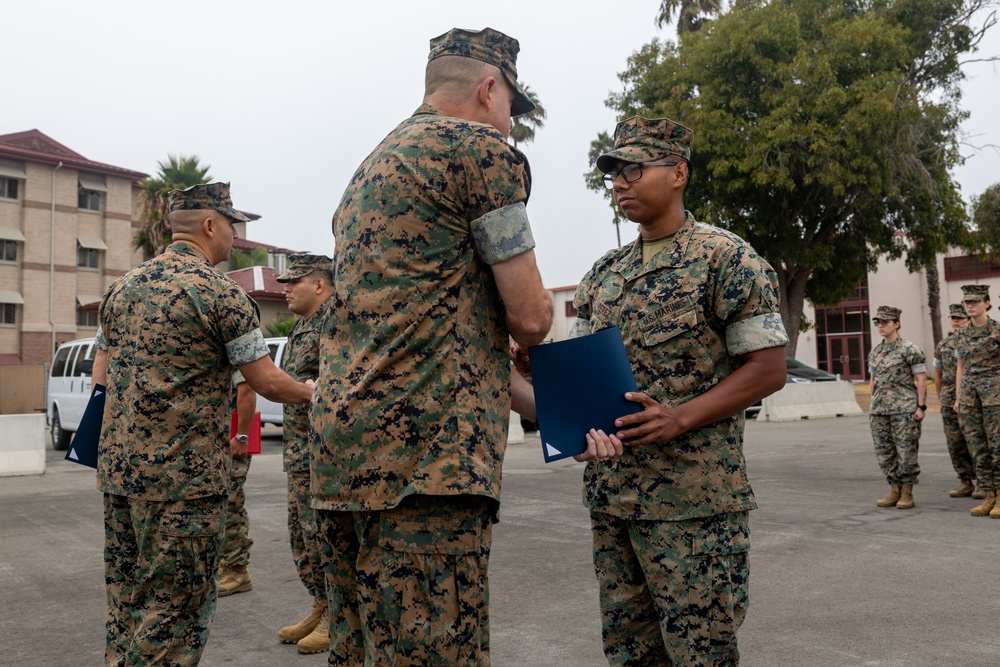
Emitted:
<point x="835" y="581"/>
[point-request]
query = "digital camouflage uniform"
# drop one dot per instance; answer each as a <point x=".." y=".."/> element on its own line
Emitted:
<point x="979" y="398"/>
<point x="413" y="398"/>
<point x="670" y="518"/>
<point x="301" y="361"/>
<point x="958" y="448"/>
<point x="896" y="434"/>
<point x="173" y="329"/>
<point x="236" y="543"/>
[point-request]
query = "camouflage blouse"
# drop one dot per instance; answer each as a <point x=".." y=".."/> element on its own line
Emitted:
<point x="414" y="386"/>
<point x="173" y="327"/>
<point x="979" y="350"/>
<point x="944" y="358"/>
<point x="892" y="367"/>
<point x="686" y="318"/>
<point x="301" y="361"/>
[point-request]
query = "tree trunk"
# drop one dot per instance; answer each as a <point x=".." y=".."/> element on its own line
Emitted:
<point x="934" y="301"/>
<point x="792" y="283"/>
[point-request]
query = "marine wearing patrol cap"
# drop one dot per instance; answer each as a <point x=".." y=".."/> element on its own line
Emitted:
<point x="639" y="139"/>
<point x="208" y="196"/>
<point x="957" y="311"/>
<point x="300" y="266"/>
<point x="887" y="313"/>
<point x="489" y="46"/>
<point x="977" y="292"/>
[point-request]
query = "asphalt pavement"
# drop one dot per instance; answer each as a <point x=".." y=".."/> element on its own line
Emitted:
<point x="835" y="581"/>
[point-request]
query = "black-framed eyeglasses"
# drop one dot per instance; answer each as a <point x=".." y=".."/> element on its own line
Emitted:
<point x="632" y="172"/>
<point x="879" y="322"/>
<point x="972" y="302"/>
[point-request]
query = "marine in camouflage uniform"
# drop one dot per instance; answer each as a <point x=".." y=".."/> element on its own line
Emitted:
<point x="172" y="329"/>
<point x="898" y="379"/>
<point x="697" y="307"/>
<point x="945" y="366"/>
<point x="978" y="389"/>
<point x="413" y="397"/>
<point x="308" y="282"/>
<point x="233" y="574"/>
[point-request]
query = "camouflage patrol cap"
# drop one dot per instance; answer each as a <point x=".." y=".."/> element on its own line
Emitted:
<point x="887" y="313"/>
<point x="957" y="310"/>
<point x="639" y="139"/>
<point x="302" y="265"/>
<point x="208" y="196"/>
<point x="489" y="46"/>
<point x="976" y="291"/>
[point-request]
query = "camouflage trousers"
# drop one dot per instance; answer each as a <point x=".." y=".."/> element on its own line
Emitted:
<point x="422" y="592"/>
<point x="672" y="592"/>
<point x="897" y="441"/>
<point x="160" y="560"/>
<point x="958" y="448"/>
<point x="302" y="534"/>
<point x="981" y="427"/>
<point x="237" y="543"/>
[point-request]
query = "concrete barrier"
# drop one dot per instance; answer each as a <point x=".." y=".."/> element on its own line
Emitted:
<point x="809" y="400"/>
<point x="515" y="432"/>
<point x="22" y="445"/>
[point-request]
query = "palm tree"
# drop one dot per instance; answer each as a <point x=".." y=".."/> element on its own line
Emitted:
<point x="526" y="124"/>
<point x="280" y="326"/>
<point x="604" y="143"/>
<point x="177" y="173"/>
<point x="241" y="260"/>
<point x="690" y="13"/>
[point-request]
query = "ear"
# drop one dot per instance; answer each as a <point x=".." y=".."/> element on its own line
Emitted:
<point x="486" y="91"/>
<point x="208" y="227"/>
<point x="681" y="173"/>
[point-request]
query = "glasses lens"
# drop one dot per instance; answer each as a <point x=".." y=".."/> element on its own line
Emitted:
<point x="878" y="321"/>
<point x="609" y="179"/>
<point x="632" y="172"/>
<point x="972" y="302"/>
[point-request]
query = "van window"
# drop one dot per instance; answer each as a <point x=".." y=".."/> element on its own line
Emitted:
<point x="73" y="356"/>
<point x="272" y="349"/>
<point x="59" y="363"/>
<point x="86" y="352"/>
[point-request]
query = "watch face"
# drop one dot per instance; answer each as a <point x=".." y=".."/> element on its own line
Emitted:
<point x="242" y="438"/>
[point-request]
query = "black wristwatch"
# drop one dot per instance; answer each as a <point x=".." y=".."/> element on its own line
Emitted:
<point x="921" y="407"/>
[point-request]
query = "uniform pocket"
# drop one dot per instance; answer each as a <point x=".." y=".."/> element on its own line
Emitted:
<point x="188" y="558"/>
<point x="717" y="589"/>
<point x="668" y="322"/>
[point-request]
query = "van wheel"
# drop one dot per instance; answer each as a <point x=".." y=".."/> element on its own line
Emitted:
<point x="60" y="438"/>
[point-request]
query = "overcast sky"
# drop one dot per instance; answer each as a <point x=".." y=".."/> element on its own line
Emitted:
<point x="285" y="99"/>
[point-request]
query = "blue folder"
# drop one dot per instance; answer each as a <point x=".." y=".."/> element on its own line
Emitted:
<point x="83" y="449"/>
<point x="580" y="384"/>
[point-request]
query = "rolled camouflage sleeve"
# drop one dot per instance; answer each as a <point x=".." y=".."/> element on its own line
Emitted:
<point x="502" y="234"/>
<point x="748" y="303"/>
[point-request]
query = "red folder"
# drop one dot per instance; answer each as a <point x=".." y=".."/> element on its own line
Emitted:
<point x="253" y="444"/>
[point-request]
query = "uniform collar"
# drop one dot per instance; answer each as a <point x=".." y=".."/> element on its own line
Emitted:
<point x="631" y="266"/>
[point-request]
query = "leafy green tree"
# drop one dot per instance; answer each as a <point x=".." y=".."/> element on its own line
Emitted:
<point x="690" y="13"/>
<point x="986" y="219"/>
<point x="177" y="173"/>
<point x="824" y="132"/>
<point x="525" y="125"/>
<point x="281" y="326"/>
<point x="241" y="260"/>
<point x="595" y="179"/>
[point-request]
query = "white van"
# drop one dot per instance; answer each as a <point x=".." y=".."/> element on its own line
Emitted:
<point x="270" y="412"/>
<point x="68" y="389"/>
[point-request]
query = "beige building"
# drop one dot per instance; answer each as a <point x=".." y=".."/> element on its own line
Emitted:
<point x="66" y="228"/>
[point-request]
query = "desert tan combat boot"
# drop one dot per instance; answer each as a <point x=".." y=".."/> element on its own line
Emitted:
<point x="318" y="640"/>
<point x="891" y="499"/>
<point x="978" y="494"/>
<point x="987" y="506"/>
<point x="964" y="490"/>
<point x="292" y="634"/>
<point x="234" y="580"/>
<point x="905" y="501"/>
<point x="995" y="512"/>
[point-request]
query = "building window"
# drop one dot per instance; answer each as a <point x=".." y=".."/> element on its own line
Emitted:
<point x="970" y="267"/>
<point x="8" y="313"/>
<point x="8" y="188"/>
<point x="85" y="318"/>
<point x="89" y="200"/>
<point x="570" y="309"/>
<point x="88" y="258"/>
<point x="8" y="251"/>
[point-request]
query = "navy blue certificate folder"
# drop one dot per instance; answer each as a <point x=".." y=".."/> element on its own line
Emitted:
<point x="83" y="449"/>
<point x="580" y="384"/>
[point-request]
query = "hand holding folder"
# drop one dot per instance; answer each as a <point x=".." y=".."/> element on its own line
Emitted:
<point x="580" y="384"/>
